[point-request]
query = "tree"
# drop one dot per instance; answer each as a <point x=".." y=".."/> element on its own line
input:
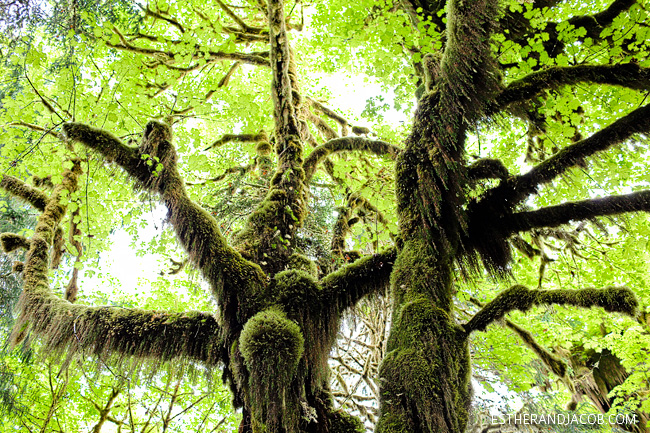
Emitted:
<point x="543" y="66"/>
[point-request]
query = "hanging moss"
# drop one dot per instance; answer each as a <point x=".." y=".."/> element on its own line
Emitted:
<point x="272" y="346"/>
<point x="11" y="242"/>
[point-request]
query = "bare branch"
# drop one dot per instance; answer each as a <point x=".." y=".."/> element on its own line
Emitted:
<point x="256" y="58"/>
<point x="553" y="216"/>
<point x="35" y="128"/>
<point x="629" y="75"/>
<point x="232" y="15"/>
<point x="222" y="83"/>
<point x="347" y="144"/>
<point x="157" y="15"/>
<point x="18" y="188"/>
<point x="612" y="299"/>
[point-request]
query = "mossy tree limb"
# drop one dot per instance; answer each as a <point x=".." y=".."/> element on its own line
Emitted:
<point x="553" y="216"/>
<point x="555" y="364"/>
<point x="106" y="331"/>
<point x="238" y="138"/>
<point x="515" y="189"/>
<point x="11" y="242"/>
<point x="319" y="154"/>
<point x="18" y="188"/>
<point x="229" y="275"/>
<point x="368" y="275"/>
<point x="629" y="75"/>
<point x="345" y="221"/>
<point x="612" y="299"/>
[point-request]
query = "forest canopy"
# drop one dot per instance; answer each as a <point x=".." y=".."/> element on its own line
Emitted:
<point x="371" y="209"/>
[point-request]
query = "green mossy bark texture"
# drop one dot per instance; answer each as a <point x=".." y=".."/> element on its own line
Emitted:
<point x="272" y="346"/>
<point x="425" y="376"/>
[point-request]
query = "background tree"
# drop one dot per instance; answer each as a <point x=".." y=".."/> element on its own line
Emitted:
<point x="553" y="82"/>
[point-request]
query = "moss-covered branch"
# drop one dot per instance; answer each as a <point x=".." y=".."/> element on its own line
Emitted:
<point x="108" y="145"/>
<point x="238" y="138"/>
<point x="553" y="216"/>
<point x="612" y="299"/>
<point x="20" y="189"/>
<point x="467" y="73"/>
<point x="517" y="188"/>
<point x="555" y="364"/>
<point x="345" y="220"/>
<point x="11" y="242"/>
<point x="370" y="274"/>
<point x="629" y="75"/>
<point x="231" y="277"/>
<point x="65" y="327"/>
<point x="486" y="168"/>
<point x="377" y="147"/>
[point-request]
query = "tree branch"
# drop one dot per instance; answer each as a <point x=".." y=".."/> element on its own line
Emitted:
<point x="553" y="216"/>
<point x="11" y="242"/>
<point x="233" y="280"/>
<point x="555" y="364"/>
<point x="250" y="58"/>
<point x="346" y="144"/>
<point x="515" y="189"/>
<point x="232" y="170"/>
<point x="157" y="15"/>
<point x="222" y="83"/>
<point x="628" y="75"/>
<point x="370" y="274"/>
<point x="238" y="138"/>
<point x="612" y="299"/>
<point x="18" y="188"/>
<point x="71" y="328"/>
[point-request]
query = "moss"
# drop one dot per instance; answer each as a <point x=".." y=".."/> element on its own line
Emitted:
<point x="612" y="299"/>
<point x="20" y="189"/>
<point x="303" y="263"/>
<point x="17" y="267"/>
<point x="426" y="374"/>
<point x="420" y="271"/>
<point x="272" y="346"/>
<point x="341" y="422"/>
<point x="11" y="242"/>
<point x="263" y="148"/>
